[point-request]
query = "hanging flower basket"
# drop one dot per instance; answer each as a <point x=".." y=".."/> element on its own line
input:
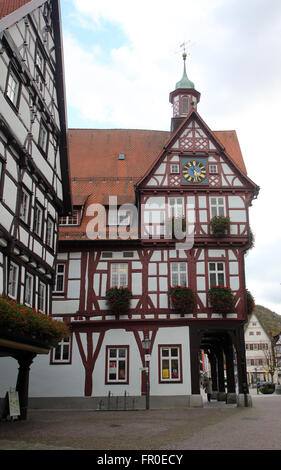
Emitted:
<point x="250" y="302"/>
<point x="183" y="299"/>
<point x="221" y="299"/>
<point x="118" y="299"/>
<point x="175" y="226"/>
<point x="24" y="324"/>
<point x="220" y="226"/>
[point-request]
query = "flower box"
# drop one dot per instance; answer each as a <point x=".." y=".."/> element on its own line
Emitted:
<point x="182" y="299"/>
<point x="118" y="299"/>
<point x="220" y="226"/>
<point x="221" y="299"/>
<point x="24" y="324"/>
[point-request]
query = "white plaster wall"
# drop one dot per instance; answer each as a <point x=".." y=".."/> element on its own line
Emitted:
<point x="8" y="374"/>
<point x="177" y="335"/>
<point x="118" y="337"/>
<point x="57" y="380"/>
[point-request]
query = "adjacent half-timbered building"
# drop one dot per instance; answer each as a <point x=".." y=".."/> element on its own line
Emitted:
<point x="127" y="186"/>
<point x="34" y="169"/>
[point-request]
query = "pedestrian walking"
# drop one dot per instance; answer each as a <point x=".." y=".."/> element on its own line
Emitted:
<point x="208" y="387"/>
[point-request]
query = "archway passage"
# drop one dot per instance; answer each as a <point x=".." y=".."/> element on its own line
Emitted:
<point x="225" y="349"/>
<point x="219" y="348"/>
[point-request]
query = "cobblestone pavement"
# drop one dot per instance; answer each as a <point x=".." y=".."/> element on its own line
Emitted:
<point x="216" y="426"/>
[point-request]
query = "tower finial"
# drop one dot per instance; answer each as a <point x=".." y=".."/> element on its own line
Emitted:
<point x="184" y="53"/>
<point x="184" y="82"/>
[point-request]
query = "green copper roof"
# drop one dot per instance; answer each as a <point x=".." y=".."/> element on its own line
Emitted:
<point x="184" y="82"/>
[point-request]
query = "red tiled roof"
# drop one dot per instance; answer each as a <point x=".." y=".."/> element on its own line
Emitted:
<point x="9" y="6"/>
<point x="98" y="173"/>
<point x="96" y="169"/>
<point x="229" y="140"/>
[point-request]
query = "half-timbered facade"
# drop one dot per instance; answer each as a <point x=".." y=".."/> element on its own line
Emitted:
<point x="34" y="178"/>
<point x="127" y="186"/>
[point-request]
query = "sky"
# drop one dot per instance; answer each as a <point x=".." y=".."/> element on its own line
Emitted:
<point x="123" y="58"/>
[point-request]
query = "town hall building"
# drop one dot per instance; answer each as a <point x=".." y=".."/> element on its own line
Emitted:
<point x="143" y="206"/>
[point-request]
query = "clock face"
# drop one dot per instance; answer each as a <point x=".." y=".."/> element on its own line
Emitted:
<point x="194" y="171"/>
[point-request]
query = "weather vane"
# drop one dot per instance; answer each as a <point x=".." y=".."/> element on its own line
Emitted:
<point x="183" y="46"/>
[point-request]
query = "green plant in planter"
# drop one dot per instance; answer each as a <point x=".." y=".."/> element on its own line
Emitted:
<point x="250" y="302"/>
<point x="20" y="322"/>
<point x="267" y="389"/>
<point x="183" y="299"/>
<point x="221" y="299"/>
<point x="175" y="225"/>
<point x="220" y="225"/>
<point x="118" y="299"/>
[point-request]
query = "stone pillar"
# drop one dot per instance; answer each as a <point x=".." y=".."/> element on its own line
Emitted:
<point x="221" y="387"/>
<point x="214" y="375"/>
<point x="195" y="336"/>
<point x="25" y="360"/>
<point x="244" y="399"/>
<point x="230" y="377"/>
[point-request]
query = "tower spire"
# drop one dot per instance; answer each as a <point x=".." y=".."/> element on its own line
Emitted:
<point x="184" y="82"/>
<point x="184" y="98"/>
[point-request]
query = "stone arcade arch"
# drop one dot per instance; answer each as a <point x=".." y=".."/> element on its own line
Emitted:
<point x="224" y="344"/>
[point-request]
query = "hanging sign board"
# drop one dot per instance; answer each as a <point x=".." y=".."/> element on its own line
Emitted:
<point x="14" y="406"/>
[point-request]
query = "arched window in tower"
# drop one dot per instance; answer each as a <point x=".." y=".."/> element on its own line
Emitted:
<point x="185" y="105"/>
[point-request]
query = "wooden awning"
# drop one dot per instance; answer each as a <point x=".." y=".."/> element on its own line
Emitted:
<point x="9" y="348"/>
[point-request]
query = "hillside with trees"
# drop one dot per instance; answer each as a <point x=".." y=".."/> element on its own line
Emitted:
<point x="269" y="320"/>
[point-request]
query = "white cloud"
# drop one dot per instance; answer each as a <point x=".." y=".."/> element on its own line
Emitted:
<point x="235" y="63"/>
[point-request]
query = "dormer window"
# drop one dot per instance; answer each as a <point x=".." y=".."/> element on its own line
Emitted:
<point x="71" y="219"/>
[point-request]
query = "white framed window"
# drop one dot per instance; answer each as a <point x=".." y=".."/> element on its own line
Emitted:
<point x="38" y="220"/>
<point x="28" y="292"/>
<point x="170" y="363"/>
<point x="13" y="88"/>
<point x="107" y="254"/>
<point x="216" y="274"/>
<point x="43" y="137"/>
<point x="185" y="105"/>
<point x="174" y="168"/>
<point x="117" y="358"/>
<point x="41" y="297"/>
<point x="217" y="206"/>
<point x="61" y="354"/>
<point x="70" y="219"/>
<point x="119" y="275"/>
<point x="13" y="280"/>
<point x="213" y="169"/>
<point x="60" y="278"/>
<point x="176" y="207"/>
<point x="178" y="274"/>
<point x="24" y="205"/>
<point x="50" y="232"/>
<point x="39" y="60"/>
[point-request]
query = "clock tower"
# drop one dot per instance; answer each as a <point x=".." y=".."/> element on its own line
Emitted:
<point x="184" y="98"/>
